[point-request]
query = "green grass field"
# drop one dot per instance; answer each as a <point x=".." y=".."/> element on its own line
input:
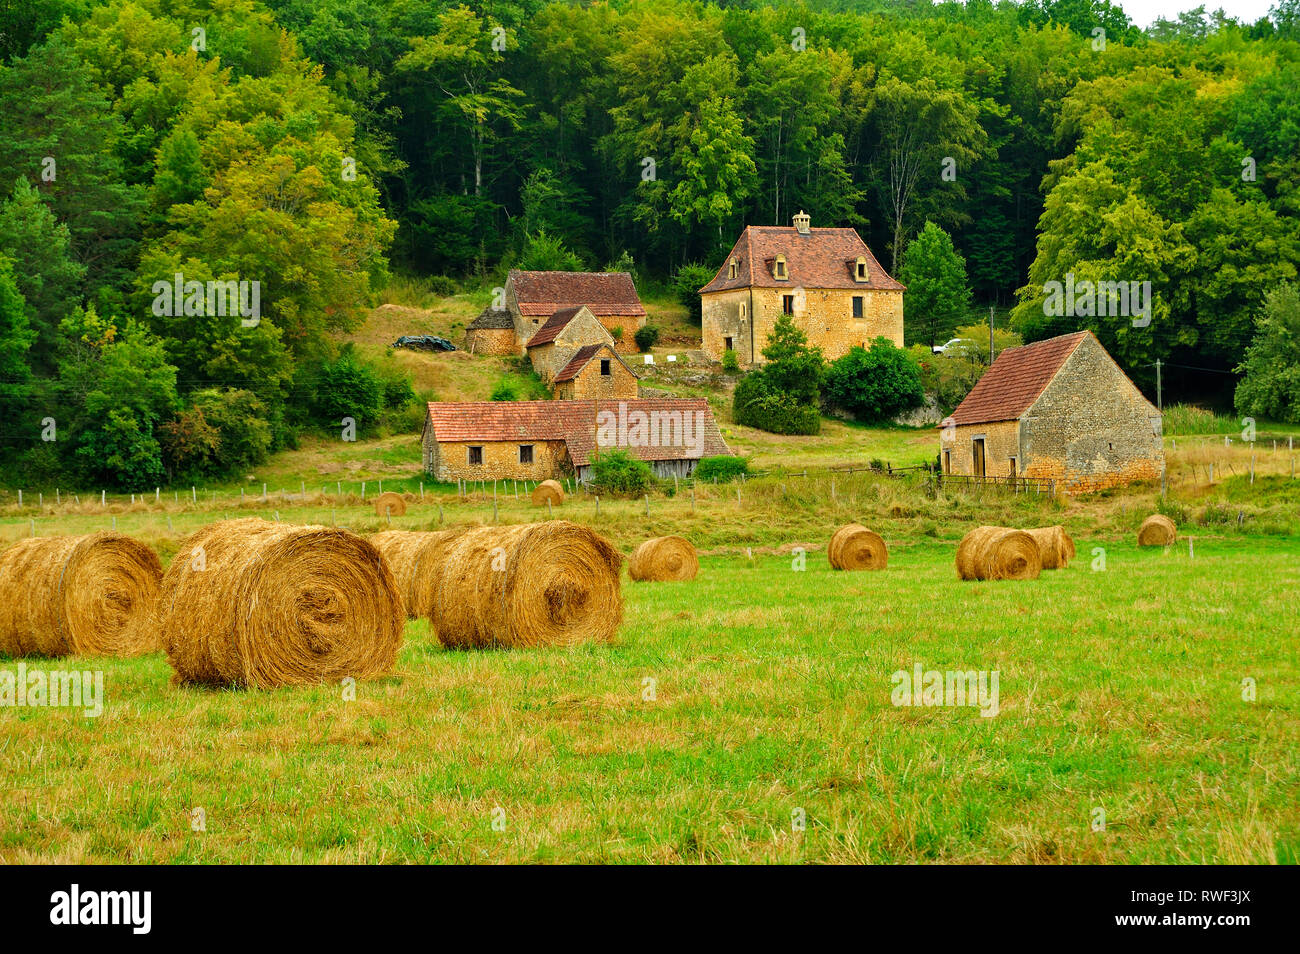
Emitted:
<point x="768" y="700"/>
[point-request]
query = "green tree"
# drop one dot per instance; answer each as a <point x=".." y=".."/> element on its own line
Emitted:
<point x="1271" y="384"/>
<point x="937" y="296"/>
<point x="15" y="340"/>
<point x="793" y="366"/>
<point x="874" y="384"/>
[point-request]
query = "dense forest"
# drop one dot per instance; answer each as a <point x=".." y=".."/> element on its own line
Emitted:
<point x="320" y="146"/>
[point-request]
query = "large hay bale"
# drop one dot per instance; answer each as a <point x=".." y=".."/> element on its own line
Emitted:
<point x="90" y="595"/>
<point x="1054" y="546"/>
<point x="1157" y="530"/>
<point x="548" y="490"/>
<point x="998" y="553"/>
<point x="854" y="547"/>
<point x="664" y="558"/>
<point x="542" y="584"/>
<point x="390" y="504"/>
<point x="411" y="555"/>
<point x="253" y="603"/>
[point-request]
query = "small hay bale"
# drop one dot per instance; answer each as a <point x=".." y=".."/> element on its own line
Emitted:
<point x="541" y="584"/>
<point x="854" y="547"/>
<point x="1157" y="530"/>
<point x="410" y="555"/>
<point x="548" y="490"/>
<point x="389" y="503"/>
<point x="1054" y="546"/>
<point x="664" y="558"/>
<point x="90" y="595"/>
<point x="998" y="553"/>
<point x="251" y="603"/>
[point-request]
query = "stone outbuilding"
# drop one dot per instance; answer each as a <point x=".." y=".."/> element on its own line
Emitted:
<point x="596" y="371"/>
<point x="1059" y="410"/>
<point x="826" y="279"/>
<point x="492" y="332"/>
<point x="561" y="336"/>
<point x="533" y="297"/>
<point x="536" y="440"/>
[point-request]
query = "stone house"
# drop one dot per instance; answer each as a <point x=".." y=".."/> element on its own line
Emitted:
<point x="1061" y="410"/>
<point x="533" y="297"/>
<point x="825" y="278"/>
<point x="561" y="336"/>
<point x="596" y="371"/>
<point x="492" y="332"/>
<point x="536" y="440"/>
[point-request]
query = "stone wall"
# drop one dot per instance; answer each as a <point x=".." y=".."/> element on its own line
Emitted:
<point x="493" y="341"/>
<point x="449" y="461"/>
<point x="619" y="385"/>
<point x="626" y="342"/>
<point x="1001" y="443"/>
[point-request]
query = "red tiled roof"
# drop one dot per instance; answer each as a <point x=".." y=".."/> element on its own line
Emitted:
<point x="605" y="293"/>
<point x="823" y="258"/>
<point x="1015" y="381"/>
<point x="576" y="422"/>
<point x="553" y="326"/>
<point x="583" y="357"/>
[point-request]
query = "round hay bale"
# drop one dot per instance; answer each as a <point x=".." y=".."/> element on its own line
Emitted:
<point x="253" y="603"/>
<point x="390" y="504"/>
<point x="854" y="547"/>
<point x="1157" y="530"/>
<point x="664" y="558"/>
<point x="91" y="595"/>
<point x="1054" y="546"/>
<point x="542" y="584"/>
<point x="548" y="490"/>
<point x="998" y="553"/>
<point x="410" y="555"/>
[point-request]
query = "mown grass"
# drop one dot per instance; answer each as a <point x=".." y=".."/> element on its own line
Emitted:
<point x="1120" y="689"/>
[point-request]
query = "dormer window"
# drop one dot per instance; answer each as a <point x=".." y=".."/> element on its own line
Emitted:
<point x="860" y="269"/>
<point x="779" y="268"/>
<point x="731" y="269"/>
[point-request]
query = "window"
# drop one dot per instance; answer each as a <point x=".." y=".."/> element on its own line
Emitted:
<point x="977" y="457"/>
<point x="787" y="304"/>
<point x="860" y="270"/>
<point x="780" y="267"/>
<point x="857" y="306"/>
<point x="525" y="453"/>
<point x="744" y="311"/>
<point x="731" y="269"/>
<point x="604" y="367"/>
<point x="475" y="456"/>
<point x="729" y="344"/>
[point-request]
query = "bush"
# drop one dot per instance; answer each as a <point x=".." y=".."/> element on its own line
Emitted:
<point x="875" y="384"/>
<point x="442" y="286"/>
<point x="757" y="404"/>
<point x="949" y="379"/>
<point x="722" y="469"/>
<point x="506" y="389"/>
<point x="544" y="253"/>
<point x="348" y="389"/>
<point x="686" y="285"/>
<point x="730" y="363"/>
<point x="646" y="337"/>
<point x="240" y="419"/>
<point x="618" y="472"/>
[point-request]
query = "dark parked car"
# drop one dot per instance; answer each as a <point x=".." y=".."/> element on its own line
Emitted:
<point x="424" y="343"/>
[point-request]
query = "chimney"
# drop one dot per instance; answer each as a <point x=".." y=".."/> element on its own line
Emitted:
<point x="801" y="222"/>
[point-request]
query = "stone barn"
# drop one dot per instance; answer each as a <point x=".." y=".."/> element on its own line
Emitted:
<point x="560" y="338"/>
<point x="536" y="440"/>
<point x="1059" y="409"/>
<point x="492" y="332"/>
<point x="533" y="297"/>
<point x="827" y="280"/>
<point x="596" y="371"/>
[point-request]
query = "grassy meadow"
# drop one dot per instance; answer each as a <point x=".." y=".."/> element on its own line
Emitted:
<point x="730" y="708"/>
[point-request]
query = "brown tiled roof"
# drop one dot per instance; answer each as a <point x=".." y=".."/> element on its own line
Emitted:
<point x="575" y="423"/>
<point x="1016" y="379"/>
<point x="824" y="258"/>
<point x="605" y="293"/>
<point x="491" y="319"/>
<point x="553" y="326"/>
<point x="583" y="358"/>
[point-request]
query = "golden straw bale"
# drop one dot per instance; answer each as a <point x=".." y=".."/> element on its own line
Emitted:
<point x="1157" y="530"/>
<point x="854" y="547"/>
<point x="390" y="504"/>
<point x="664" y="558"/>
<point x="410" y="555"/>
<point x="998" y="553"/>
<point x="90" y="595"/>
<point x="1054" y="546"/>
<point x="542" y="584"/>
<point x="548" y="490"/>
<point x="253" y="603"/>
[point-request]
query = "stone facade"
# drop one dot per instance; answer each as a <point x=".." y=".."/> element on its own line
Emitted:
<point x="491" y="341"/>
<point x="449" y="461"/>
<point x="590" y="383"/>
<point x="610" y="296"/>
<point x="622" y="330"/>
<point x="581" y="330"/>
<point x="1089" y="429"/>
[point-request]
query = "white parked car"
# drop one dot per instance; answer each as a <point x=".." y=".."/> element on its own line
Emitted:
<point x="943" y="348"/>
